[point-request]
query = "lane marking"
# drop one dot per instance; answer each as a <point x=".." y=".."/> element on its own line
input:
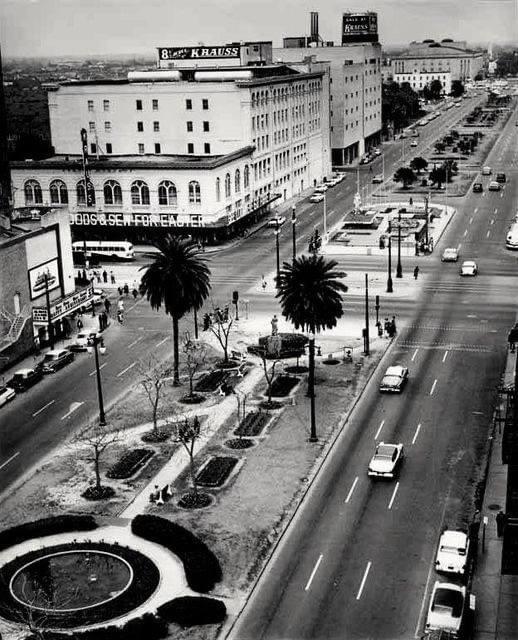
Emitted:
<point x="470" y="221"/>
<point x="475" y="210"/>
<point x="94" y="371"/>
<point x="364" y="580"/>
<point x="433" y="386"/>
<point x="351" y="490"/>
<point x="459" y="246"/>
<point x="492" y="221"/>
<point x="488" y="234"/>
<point x="4" y="464"/>
<point x="416" y="433"/>
<point x="161" y="342"/>
<point x="496" y="211"/>
<point x="415" y="353"/>
<point x="73" y="407"/>
<point x="131" y="344"/>
<point x="121" y="373"/>
<point x="502" y="194"/>
<point x="465" y="233"/>
<point x="315" y="568"/>
<point x="444" y="356"/>
<point x="379" y="429"/>
<point x="393" y="495"/>
<point x="43" y="408"/>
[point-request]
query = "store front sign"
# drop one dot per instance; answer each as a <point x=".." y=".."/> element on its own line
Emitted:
<point x="63" y="307"/>
<point x="188" y="53"/>
<point x="135" y="220"/>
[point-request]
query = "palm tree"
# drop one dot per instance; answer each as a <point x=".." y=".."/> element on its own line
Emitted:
<point x="178" y="278"/>
<point x="310" y="293"/>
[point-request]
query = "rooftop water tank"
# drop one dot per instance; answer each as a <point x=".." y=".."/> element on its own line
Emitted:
<point x="222" y="76"/>
<point x="154" y="76"/>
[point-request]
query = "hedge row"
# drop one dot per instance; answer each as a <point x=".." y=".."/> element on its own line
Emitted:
<point x="189" y="611"/>
<point x="148" y="626"/>
<point x="202" y="568"/>
<point x="45" y="527"/>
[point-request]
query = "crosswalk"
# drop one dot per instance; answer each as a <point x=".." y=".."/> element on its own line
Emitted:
<point x="445" y="346"/>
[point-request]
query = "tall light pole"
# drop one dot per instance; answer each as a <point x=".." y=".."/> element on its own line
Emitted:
<point x="277" y="250"/>
<point x="426" y="201"/>
<point x="366" y="349"/>
<point x="50" y="327"/>
<point x="311" y="387"/>
<point x="325" y="217"/>
<point x="293" y="234"/>
<point x="94" y="342"/>
<point x="399" y="270"/>
<point x="389" y="278"/>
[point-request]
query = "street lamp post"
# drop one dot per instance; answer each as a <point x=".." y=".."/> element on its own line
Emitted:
<point x="277" y="251"/>
<point x="389" y="278"/>
<point x="293" y="234"/>
<point x="93" y="343"/>
<point x="426" y="200"/>
<point x="366" y="345"/>
<point x="325" y="217"/>
<point x="399" y="270"/>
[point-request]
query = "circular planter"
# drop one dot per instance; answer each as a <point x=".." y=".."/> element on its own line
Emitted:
<point x="240" y="443"/>
<point x="191" y="501"/>
<point x="331" y="361"/>
<point x="98" y="493"/>
<point x="196" y="398"/>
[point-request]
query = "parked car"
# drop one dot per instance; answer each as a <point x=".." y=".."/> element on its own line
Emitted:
<point x="453" y="552"/>
<point x="501" y="177"/>
<point x="376" y="151"/>
<point x="6" y="394"/>
<point x="486" y="171"/>
<point x="277" y="221"/>
<point x="321" y="188"/>
<point x="477" y="187"/>
<point x="395" y="379"/>
<point x="386" y="460"/>
<point x="23" y="379"/>
<point x="451" y="609"/>
<point x="55" y="359"/>
<point x="82" y="338"/>
<point x="494" y="186"/>
<point x="469" y="268"/>
<point x="317" y="197"/>
<point x="450" y="255"/>
<point x="377" y="179"/>
<point x="365" y="159"/>
<point x="413" y="143"/>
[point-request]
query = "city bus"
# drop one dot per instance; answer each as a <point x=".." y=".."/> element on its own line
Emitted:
<point x="105" y="249"/>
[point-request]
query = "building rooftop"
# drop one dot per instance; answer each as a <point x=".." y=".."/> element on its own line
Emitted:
<point x="436" y="50"/>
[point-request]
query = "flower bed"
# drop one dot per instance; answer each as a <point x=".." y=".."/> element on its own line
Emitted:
<point x="282" y="385"/>
<point x="211" y="381"/>
<point x="216" y="471"/>
<point x="239" y="443"/>
<point x="129" y="463"/>
<point x="253" y="424"/>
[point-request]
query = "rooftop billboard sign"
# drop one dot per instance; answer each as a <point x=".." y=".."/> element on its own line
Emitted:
<point x="359" y="27"/>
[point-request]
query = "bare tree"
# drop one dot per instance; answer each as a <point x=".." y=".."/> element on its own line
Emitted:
<point x="97" y="439"/>
<point x="187" y="433"/>
<point x="154" y="377"/>
<point x="269" y="373"/>
<point x="221" y="326"/>
<point x="195" y="356"/>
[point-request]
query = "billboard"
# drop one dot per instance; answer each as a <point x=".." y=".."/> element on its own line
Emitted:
<point x="359" y="27"/>
<point x="201" y="53"/>
<point x="44" y="276"/>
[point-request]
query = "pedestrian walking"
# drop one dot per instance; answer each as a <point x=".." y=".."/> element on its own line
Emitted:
<point x="135" y="294"/>
<point x="112" y="277"/>
<point x="393" y="325"/>
<point x="97" y="276"/>
<point x="380" y="329"/>
<point x="105" y="276"/>
<point x="85" y="277"/>
<point x="120" y="305"/>
<point x="500" y="523"/>
<point x="119" y="289"/>
<point x="79" y="324"/>
<point x="386" y="326"/>
<point x="416" y="272"/>
<point x="100" y="318"/>
<point x="107" y="305"/>
<point x="126" y="289"/>
<point x="120" y="316"/>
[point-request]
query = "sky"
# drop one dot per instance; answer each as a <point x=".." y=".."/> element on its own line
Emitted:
<point x="39" y="28"/>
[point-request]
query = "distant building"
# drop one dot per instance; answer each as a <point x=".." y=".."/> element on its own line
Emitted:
<point x="447" y="56"/>
<point x="419" y="80"/>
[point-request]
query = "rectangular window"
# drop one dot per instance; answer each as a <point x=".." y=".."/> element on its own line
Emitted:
<point x="108" y="147"/>
<point x="91" y="126"/>
<point x="206" y="147"/>
<point x="93" y="148"/>
<point x="205" y="104"/>
<point x="138" y="104"/>
<point x="140" y="126"/>
<point x="190" y="147"/>
<point x="189" y="126"/>
<point x="155" y="105"/>
<point x="141" y="147"/>
<point x="107" y="126"/>
<point x="90" y="105"/>
<point x="106" y="105"/>
<point x="206" y="126"/>
<point x="156" y="126"/>
<point x="157" y="147"/>
<point x="188" y="104"/>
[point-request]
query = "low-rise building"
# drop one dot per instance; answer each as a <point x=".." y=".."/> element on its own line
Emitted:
<point x="418" y="80"/>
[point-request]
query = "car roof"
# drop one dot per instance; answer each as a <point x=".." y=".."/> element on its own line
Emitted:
<point x="450" y="250"/>
<point x="386" y="448"/>
<point x="55" y="352"/>
<point x="469" y="263"/>
<point x="394" y="370"/>
<point x="453" y="538"/>
<point x="23" y="372"/>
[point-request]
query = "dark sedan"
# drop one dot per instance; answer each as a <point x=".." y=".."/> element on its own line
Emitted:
<point x="23" y="379"/>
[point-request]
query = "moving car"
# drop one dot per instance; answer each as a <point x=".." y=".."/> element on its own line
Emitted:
<point x="494" y="186"/>
<point x="82" y="338"/>
<point x="486" y="171"/>
<point x="511" y="239"/>
<point x="394" y="379"/>
<point x="386" y="460"/>
<point x="277" y="221"/>
<point x="451" y="609"/>
<point x="413" y="143"/>
<point x="452" y="554"/>
<point x="501" y="177"/>
<point x="23" y="379"/>
<point x="450" y="255"/>
<point x="377" y="179"/>
<point x="317" y="197"/>
<point x="365" y="159"/>
<point x="55" y="359"/>
<point x="469" y="268"/>
<point x="6" y="394"/>
<point x="477" y="187"/>
<point x="377" y="152"/>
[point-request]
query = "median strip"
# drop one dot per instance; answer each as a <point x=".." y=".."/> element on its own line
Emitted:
<point x="315" y="568"/>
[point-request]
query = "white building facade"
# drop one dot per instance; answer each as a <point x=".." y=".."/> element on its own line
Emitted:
<point x="419" y="80"/>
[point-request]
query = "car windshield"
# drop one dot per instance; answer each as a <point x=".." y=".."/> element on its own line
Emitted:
<point x="384" y="451"/>
<point x="448" y="600"/>
<point x="50" y="357"/>
<point x="18" y="376"/>
<point x="391" y="380"/>
<point x="458" y="551"/>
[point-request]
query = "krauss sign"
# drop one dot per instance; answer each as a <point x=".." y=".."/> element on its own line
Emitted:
<point x="188" y="53"/>
<point x="134" y="220"/>
<point x="359" y="27"/>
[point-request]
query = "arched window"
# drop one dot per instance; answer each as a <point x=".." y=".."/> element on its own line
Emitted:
<point x="218" y="189"/>
<point x="167" y="193"/>
<point x="139" y="192"/>
<point x="194" y="192"/>
<point x="246" y="177"/>
<point x="112" y="192"/>
<point x="80" y="193"/>
<point x="32" y="190"/>
<point x="58" y="192"/>
<point x="237" y="181"/>
<point x="227" y="185"/>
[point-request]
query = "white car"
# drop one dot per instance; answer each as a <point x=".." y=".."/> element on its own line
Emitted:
<point x="278" y="221"/>
<point x="386" y="460"/>
<point x="6" y="394"/>
<point x="377" y="152"/>
<point x="394" y="379"/>
<point x="452" y="554"/>
<point x="317" y="197"/>
<point x="82" y="338"/>
<point x="377" y="179"/>
<point x="469" y="268"/>
<point x="494" y="186"/>
<point x="450" y="255"/>
<point x="413" y="143"/>
<point x="451" y="607"/>
<point x="321" y="188"/>
<point x="486" y="171"/>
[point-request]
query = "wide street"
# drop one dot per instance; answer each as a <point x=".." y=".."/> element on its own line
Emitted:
<point x="357" y="561"/>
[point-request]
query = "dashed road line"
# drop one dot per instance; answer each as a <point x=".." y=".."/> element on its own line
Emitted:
<point x="121" y="373"/>
<point x="132" y="344"/>
<point x="379" y="429"/>
<point x="418" y="429"/>
<point x="445" y="356"/>
<point x="364" y="580"/>
<point x="4" y="464"/>
<point x="488" y="234"/>
<point x="43" y="408"/>
<point x="393" y="495"/>
<point x="414" y="355"/>
<point x="95" y="371"/>
<point x="315" y="569"/>
<point x="73" y="407"/>
<point x="349" y="495"/>
<point x="161" y="342"/>
<point x="433" y="387"/>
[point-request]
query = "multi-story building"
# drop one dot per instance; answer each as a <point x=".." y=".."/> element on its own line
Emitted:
<point x="418" y="80"/>
<point x="446" y="56"/>
<point x="191" y="145"/>
<point x="355" y="80"/>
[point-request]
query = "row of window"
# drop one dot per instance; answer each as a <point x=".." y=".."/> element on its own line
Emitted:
<point x="260" y="98"/>
<point x="138" y="105"/>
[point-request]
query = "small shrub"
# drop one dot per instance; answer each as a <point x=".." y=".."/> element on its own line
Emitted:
<point x="189" y="611"/>
<point x="98" y="493"/>
<point x="282" y="385"/>
<point x="253" y="424"/>
<point x="216" y="471"/>
<point x="211" y="381"/>
<point x="46" y="527"/>
<point x="129" y="463"/>
<point x="198" y="500"/>
<point x="155" y="436"/>
<point x="239" y="443"/>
